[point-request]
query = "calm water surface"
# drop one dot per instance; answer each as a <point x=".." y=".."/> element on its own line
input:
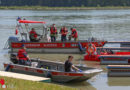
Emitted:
<point x="111" y="25"/>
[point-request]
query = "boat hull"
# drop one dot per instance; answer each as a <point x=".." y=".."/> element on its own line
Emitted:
<point x="72" y="77"/>
<point x="54" y="47"/>
<point x="51" y="50"/>
<point x="116" y="58"/>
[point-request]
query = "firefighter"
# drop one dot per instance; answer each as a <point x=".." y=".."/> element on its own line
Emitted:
<point x="33" y="35"/>
<point x="74" y="34"/>
<point x="53" y="33"/>
<point x="63" y="33"/>
<point x="23" y="58"/>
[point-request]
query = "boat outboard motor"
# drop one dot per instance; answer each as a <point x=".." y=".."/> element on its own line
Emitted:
<point x="13" y="58"/>
<point x="12" y="39"/>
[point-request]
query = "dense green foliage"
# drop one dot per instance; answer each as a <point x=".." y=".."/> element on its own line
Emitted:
<point x="65" y="3"/>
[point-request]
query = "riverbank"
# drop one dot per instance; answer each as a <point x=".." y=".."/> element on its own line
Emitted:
<point x="19" y="84"/>
<point x="61" y="8"/>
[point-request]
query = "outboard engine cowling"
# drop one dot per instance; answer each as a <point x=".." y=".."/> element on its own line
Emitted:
<point x="12" y="39"/>
<point x="13" y="58"/>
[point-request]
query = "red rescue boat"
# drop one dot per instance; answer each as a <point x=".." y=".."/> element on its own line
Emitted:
<point x="109" y="56"/>
<point x="44" y="46"/>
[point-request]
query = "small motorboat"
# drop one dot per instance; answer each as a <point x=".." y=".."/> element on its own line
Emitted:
<point x="43" y="45"/>
<point x="112" y="55"/>
<point x="52" y="69"/>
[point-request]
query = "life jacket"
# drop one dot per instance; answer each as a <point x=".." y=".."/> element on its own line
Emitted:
<point x="90" y="50"/>
<point x="53" y="30"/>
<point x="74" y="33"/>
<point x="22" y="54"/>
<point x="33" y="34"/>
<point x="64" y="31"/>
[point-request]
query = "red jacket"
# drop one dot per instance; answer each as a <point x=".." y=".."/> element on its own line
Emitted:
<point x="33" y="33"/>
<point x="53" y="30"/>
<point x="64" y="31"/>
<point x="22" y="54"/>
<point x="74" y="33"/>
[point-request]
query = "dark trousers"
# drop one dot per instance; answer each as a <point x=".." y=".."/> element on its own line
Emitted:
<point x="53" y="38"/>
<point x="33" y="40"/>
<point x="63" y="38"/>
<point x="23" y="62"/>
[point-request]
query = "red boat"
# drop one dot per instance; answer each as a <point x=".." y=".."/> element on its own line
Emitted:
<point x="109" y="56"/>
<point x="43" y="46"/>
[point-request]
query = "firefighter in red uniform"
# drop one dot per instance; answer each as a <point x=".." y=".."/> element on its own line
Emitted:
<point x="74" y="34"/>
<point x="33" y="35"/>
<point x="53" y="33"/>
<point x="23" y="58"/>
<point x="63" y="33"/>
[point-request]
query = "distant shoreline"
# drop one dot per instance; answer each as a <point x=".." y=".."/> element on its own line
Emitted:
<point x="60" y="8"/>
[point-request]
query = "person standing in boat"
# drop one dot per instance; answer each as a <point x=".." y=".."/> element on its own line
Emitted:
<point x="33" y="35"/>
<point x="63" y="33"/>
<point x="23" y="58"/>
<point x="53" y="33"/>
<point x="74" y="34"/>
<point x="69" y="66"/>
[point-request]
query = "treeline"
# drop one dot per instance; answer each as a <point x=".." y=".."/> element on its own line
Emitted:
<point x="65" y="3"/>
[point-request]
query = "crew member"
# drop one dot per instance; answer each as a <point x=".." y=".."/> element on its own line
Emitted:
<point x="69" y="66"/>
<point x="33" y="35"/>
<point x="63" y="33"/>
<point x="53" y="33"/>
<point x="22" y="56"/>
<point x="74" y="34"/>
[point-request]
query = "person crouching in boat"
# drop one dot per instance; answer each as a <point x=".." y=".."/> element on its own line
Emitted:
<point x="23" y="58"/>
<point x="33" y="35"/>
<point x="69" y="66"/>
<point x="63" y="33"/>
<point x="74" y="34"/>
<point x="53" y="33"/>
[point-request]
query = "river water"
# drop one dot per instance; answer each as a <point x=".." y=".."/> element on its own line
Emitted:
<point x="111" y="25"/>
